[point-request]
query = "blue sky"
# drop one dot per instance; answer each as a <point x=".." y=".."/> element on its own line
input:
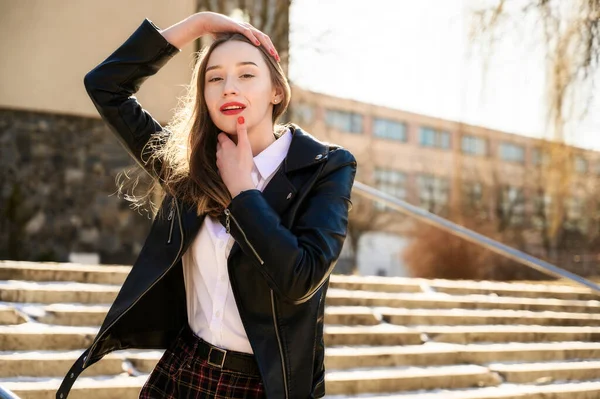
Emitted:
<point x="415" y="56"/>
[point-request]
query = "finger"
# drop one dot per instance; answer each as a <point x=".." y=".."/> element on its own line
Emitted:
<point x="241" y="131"/>
<point x="266" y="40"/>
<point x="222" y="138"/>
<point x="249" y="33"/>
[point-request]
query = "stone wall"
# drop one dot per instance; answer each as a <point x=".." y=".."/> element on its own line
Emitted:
<point x="58" y="192"/>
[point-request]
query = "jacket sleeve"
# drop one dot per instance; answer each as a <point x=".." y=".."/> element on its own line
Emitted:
<point x="295" y="262"/>
<point x="113" y="82"/>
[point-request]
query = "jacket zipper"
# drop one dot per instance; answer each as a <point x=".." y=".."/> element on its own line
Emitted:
<point x="280" y="345"/>
<point x="87" y="358"/>
<point x="227" y="227"/>
<point x="172" y="219"/>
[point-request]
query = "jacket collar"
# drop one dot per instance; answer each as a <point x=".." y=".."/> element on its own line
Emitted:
<point x="305" y="150"/>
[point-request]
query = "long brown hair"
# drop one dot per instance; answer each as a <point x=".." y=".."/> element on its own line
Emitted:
<point x="185" y="150"/>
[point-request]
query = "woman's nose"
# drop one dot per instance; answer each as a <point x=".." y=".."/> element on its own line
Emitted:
<point x="230" y="87"/>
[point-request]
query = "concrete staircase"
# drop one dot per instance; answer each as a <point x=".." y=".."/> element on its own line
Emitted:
<point x="386" y="337"/>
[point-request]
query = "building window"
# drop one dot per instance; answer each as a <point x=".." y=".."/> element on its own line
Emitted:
<point x="512" y="152"/>
<point x="303" y="113"/>
<point x="392" y="182"/>
<point x="542" y="211"/>
<point x="581" y="164"/>
<point x="434" y="193"/>
<point x="574" y="210"/>
<point x="540" y="157"/>
<point x="389" y="129"/>
<point x="429" y="137"/>
<point x="472" y="194"/>
<point x="512" y="205"/>
<point x="474" y="145"/>
<point x="344" y="121"/>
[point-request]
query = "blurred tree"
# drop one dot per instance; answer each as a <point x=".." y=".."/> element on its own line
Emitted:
<point x="571" y="39"/>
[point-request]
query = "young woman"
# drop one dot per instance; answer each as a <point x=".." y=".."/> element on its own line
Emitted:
<point x="232" y="278"/>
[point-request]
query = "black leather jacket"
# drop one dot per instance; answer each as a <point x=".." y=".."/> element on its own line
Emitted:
<point x="287" y="240"/>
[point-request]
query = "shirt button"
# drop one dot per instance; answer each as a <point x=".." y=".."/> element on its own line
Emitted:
<point x="217" y="313"/>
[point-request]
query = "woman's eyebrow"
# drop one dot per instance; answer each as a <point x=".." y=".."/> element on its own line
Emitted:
<point x="210" y="68"/>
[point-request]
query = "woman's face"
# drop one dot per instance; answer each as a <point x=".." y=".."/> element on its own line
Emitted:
<point x="237" y="75"/>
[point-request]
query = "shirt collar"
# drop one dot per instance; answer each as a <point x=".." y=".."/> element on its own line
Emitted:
<point x="269" y="159"/>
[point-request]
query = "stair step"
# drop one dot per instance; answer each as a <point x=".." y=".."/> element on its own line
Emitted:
<point x="32" y="336"/>
<point x="575" y="390"/>
<point x="93" y="315"/>
<point x="53" y="271"/>
<point x="99" y="387"/>
<point x="57" y="363"/>
<point x="54" y="364"/>
<point x="359" y="381"/>
<point x="461" y="287"/>
<point x="434" y="300"/>
<point x="408" y="379"/>
<point x="433" y="353"/>
<point x="548" y="372"/>
<point x="127" y="387"/>
<point x="57" y="292"/>
<point x="353" y="315"/>
<point x="503" y="333"/>
<point x="9" y="315"/>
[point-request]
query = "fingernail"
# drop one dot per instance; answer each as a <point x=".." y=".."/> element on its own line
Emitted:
<point x="272" y="51"/>
<point x="240" y="119"/>
<point x="257" y="43"/>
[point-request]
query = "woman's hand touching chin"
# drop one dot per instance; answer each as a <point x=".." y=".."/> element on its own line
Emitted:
<point x="235" y="162"/>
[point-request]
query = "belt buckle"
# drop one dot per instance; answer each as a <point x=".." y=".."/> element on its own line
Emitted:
<point x="219" y="350"/>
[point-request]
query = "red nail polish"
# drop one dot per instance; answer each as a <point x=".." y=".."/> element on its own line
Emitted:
<point x="240" y="120"/>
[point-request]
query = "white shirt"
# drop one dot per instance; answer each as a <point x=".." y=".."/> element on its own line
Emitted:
<point x="211" y="308"/>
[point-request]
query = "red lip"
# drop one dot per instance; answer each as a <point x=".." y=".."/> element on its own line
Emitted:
<point x="232" y="104"/>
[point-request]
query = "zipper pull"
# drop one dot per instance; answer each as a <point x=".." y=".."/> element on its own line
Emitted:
<point x="227" y="227"/>
<point x="171" y="211"/>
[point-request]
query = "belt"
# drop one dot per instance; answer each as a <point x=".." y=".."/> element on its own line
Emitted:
<point x="224" y="359"/>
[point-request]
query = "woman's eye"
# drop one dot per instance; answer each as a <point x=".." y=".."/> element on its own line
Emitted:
<point x="246" y="75"/>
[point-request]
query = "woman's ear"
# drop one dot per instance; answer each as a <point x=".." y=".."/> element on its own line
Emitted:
<point x="278" y="96"/>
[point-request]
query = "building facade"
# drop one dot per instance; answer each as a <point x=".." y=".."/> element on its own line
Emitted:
<point x="441" y="165"/>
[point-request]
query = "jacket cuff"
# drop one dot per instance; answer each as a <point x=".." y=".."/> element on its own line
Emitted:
<point x="155" y="38"/>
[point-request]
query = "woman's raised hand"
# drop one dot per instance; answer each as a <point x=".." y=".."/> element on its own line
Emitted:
<point x="212" y="23"/>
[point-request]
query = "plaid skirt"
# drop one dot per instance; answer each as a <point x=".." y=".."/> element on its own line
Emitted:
<point x="180" y="373"/>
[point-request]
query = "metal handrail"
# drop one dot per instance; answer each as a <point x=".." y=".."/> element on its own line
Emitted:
<point x="470" y="235"/>
<point x="6" y="393"/>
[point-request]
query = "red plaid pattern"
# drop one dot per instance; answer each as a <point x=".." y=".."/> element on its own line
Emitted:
<point x="180" y="374"/>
